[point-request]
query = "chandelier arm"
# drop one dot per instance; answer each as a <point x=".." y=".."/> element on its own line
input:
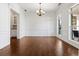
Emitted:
<point x="40" y="12"/>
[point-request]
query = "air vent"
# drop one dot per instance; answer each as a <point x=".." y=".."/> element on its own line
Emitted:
<point x="25" y="10"/>
<point x="59" y="4"/>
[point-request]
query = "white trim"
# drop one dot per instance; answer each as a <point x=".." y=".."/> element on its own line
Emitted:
<point x="74" y="5"/>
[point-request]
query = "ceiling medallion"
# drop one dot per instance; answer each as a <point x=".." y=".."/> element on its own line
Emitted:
<point x="40" y="11"/>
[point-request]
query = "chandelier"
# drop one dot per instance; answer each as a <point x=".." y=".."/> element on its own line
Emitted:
<point x="40" y="11"/>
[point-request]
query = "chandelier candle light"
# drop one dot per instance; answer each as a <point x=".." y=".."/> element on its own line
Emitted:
<point x="40" y="11"/>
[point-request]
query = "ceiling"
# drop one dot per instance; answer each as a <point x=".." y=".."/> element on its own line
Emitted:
<point x="75" y="10"/>
<point x="34" y="6"/>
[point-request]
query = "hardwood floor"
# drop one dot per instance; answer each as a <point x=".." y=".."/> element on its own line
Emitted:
<point x="38" y="46"/>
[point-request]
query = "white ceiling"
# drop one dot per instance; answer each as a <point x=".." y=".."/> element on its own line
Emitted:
<point x="34" y="6"/>
<point x="75" y="10"/>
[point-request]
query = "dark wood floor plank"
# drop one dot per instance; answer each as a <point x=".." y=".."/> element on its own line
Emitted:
<point x="38" y="46"/>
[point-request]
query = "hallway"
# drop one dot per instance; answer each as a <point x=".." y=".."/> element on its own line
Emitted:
<point x="38" y="46"/>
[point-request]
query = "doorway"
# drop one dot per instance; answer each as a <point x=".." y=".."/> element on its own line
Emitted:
<point x="75" y="23"/>
<point x="14" y="22"/>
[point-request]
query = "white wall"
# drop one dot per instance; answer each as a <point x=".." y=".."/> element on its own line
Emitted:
<point x="40" y="25"/>
<point x="65" y="19"/>
<point x="5" y="23"/>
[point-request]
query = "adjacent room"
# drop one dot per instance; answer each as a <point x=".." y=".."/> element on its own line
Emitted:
<point x="39" y="29"/>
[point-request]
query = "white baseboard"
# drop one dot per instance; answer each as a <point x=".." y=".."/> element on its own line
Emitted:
<point x="1" y="47"/>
